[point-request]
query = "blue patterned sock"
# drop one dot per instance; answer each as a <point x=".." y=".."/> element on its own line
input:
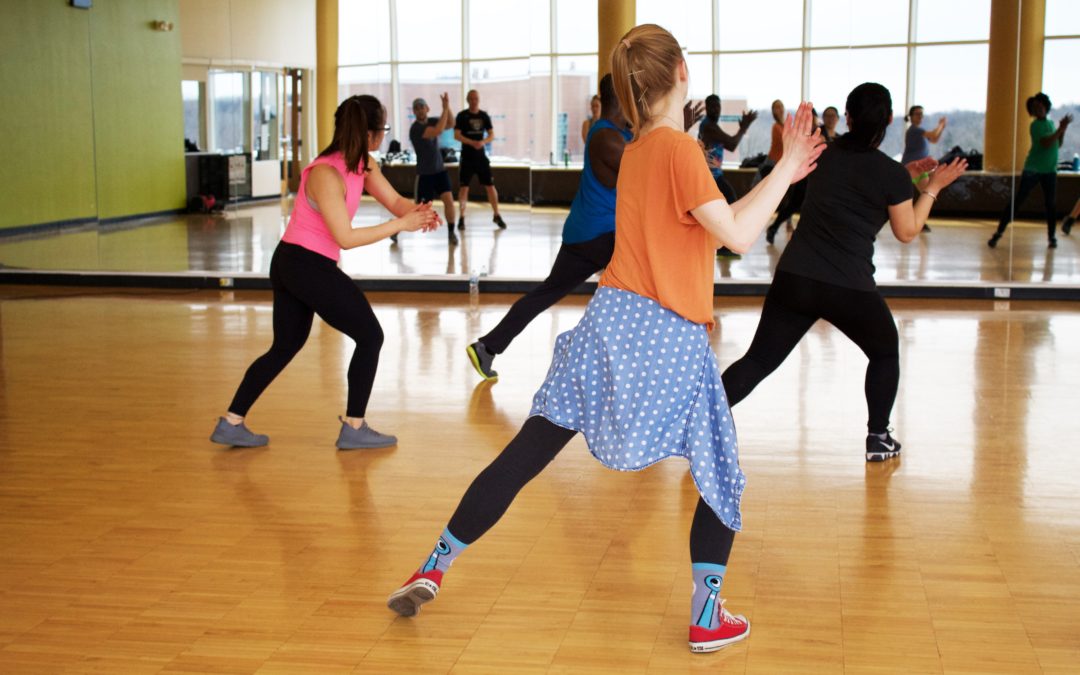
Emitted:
<point x="442" y="556"/>
<point x="705" y="603"/>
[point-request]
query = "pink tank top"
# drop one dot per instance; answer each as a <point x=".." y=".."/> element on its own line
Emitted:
<point x="306" y="225"/>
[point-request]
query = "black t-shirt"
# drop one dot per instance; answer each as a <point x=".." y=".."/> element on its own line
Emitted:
<point x="847" y="202"/>
<point x="472" y="126"/>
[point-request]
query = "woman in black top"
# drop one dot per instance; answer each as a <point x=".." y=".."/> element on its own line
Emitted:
<point x="827" y="270"/>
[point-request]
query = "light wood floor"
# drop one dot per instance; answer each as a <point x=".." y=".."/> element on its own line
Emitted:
<point x="130" y="544"/>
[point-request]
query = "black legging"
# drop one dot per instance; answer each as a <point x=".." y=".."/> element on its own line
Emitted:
<point x="538" y="442"/>
<point x="1028" y="181"/>
<point x="306" y="283"/>
<point x="792" y="306"/>
<point x="573" y="265"/>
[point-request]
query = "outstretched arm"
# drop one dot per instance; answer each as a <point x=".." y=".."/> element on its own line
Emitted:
<point x="737" y="228"/>
<point x="907" y="218"/>
<point x="326" y="190"/>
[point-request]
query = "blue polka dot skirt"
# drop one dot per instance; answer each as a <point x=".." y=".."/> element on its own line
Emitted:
<point x="642" y="384"/>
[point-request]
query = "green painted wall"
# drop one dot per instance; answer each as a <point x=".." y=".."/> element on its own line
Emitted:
<point x="138" y="112"/>
<point x="47" y="173"/>
<point x="91" y="110"/>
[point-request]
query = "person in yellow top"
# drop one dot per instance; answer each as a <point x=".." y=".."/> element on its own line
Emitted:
<point x="637" y="376"/>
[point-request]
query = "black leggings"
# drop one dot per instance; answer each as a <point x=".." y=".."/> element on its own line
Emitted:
<point x="573" y="265"/>
<point x="538" y="442"/>
<point x="306" y="283"/>
<point x="792" y="306"/>
<point x="1028" y="181"/>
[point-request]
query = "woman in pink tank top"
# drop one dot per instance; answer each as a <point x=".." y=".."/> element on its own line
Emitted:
<point x="307" y="281"/>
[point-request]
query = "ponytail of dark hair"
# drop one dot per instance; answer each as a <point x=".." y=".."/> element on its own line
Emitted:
<point x="869" y="108"/>
<point x="355" y="118"/>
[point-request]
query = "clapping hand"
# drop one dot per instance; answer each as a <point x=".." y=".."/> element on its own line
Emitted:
<point x="945" y="174"/>
<point x="421" y="217"/>
<point x="920" y="166"/>
<point x="802" y="141"/>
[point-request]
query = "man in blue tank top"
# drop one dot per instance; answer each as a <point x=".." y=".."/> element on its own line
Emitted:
<point x="588" y="240"/>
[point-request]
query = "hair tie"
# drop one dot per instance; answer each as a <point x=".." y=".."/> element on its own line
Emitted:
<point x="626" y="43"/>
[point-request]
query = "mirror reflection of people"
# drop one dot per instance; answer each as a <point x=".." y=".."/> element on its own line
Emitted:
<point x="1040" y="168"/>
<point x="715" y="140"/>
<point x="916" y="139"/>
<point x="830" y="118"/>
<point x="432" y="179"/>
<point x="588" y="236"/>
<point x="637" y="375"/>
<point x="473" y="130"/>
<point x="307" y="281"/>
<point x="827" y="269"/>
<point x="595" y="114"/>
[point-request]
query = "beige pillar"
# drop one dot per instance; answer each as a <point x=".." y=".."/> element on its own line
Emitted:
<point x="326" y="66"/>
<point x="614" y="18"/>
<point x="1011" y="80"/>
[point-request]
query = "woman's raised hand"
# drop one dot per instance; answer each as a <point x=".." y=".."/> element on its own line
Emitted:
<point x="802" y="141"/>
<point x="918" y="167"/>
<point x="945" y="174"/>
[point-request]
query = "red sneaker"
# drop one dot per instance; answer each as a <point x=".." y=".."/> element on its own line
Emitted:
<point x="420" y="588"/>
<point x="731" y="629"/>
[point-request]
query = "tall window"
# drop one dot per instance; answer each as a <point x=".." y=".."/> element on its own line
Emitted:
<point x="913" y="47"/>
<point x="1061" y="76"/>
<point x="536" y="91"/>
<point x="535" y="62"/>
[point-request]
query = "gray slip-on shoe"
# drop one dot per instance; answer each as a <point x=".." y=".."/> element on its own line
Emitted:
<point x="363" y="438"/>
<point x="237" y="435"/>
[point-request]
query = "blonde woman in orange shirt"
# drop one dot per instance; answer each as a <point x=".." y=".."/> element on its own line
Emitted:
<point x="637" y="376"/>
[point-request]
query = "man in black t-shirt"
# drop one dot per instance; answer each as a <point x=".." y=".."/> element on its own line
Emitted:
<point x="473" y="130"/>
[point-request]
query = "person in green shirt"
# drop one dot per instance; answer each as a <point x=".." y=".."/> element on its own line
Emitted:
<point x="1040" y="168"/>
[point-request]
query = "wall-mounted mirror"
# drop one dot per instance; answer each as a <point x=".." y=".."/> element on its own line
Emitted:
<point x="535" y="66"/>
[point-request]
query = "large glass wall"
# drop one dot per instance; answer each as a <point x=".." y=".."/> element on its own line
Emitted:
<point x="534" y="61"/>
<point x="820" y="49"/>
<point x="1061" y="76"/>
<point x="533" y="64"/>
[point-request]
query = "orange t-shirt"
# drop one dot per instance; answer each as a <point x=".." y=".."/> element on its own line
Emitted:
<point x="776" y="150"/>
<point x="661" y="251"/>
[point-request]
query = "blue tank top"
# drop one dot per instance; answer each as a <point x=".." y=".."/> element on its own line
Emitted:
<point x="592" y="212"/>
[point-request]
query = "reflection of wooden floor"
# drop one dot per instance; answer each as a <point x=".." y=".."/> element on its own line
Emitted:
<point x="129" y="543"/>
<point x="243" y="241"/>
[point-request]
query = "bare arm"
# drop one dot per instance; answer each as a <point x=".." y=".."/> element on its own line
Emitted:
<point x="934" y="135"/>
<point x="326" y="190"/>
<point x="908" y="217"/>
<point x="1058" y="136"/>
<point x="605" y="156"/>
<point x="738" y="228"/>
<point x="445" y="119"/>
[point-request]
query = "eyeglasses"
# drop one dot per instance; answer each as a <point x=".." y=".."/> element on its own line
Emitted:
<point x="386" y="128"/>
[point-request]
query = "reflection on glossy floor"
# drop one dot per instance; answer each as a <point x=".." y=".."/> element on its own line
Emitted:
<point x="242" y="241"/>
<point x="129" y="543"/>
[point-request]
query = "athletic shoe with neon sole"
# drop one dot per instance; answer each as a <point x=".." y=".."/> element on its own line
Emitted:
<point x="420" y="588"/>
<point x="732" y="628"/>
<point x="880" y="449"/>
<point x="481" y="360"/>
